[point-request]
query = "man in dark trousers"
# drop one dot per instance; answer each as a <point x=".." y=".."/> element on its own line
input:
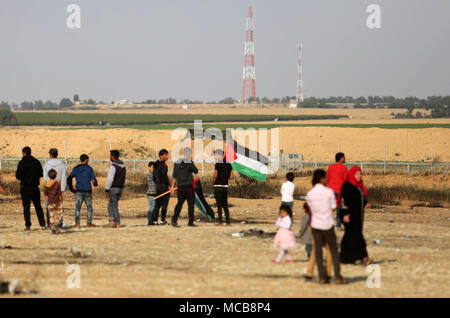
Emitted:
<point x="222" y="173"/>
<point x="182" y="175"/>
<point x="29" y="171"/>
<point x="162" y="185"/>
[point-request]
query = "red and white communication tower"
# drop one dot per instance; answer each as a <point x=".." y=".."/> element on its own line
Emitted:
<point x="249" y="75"/>
<point x="300" y="96"/>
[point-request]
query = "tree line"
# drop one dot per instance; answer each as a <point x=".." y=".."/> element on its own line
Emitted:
<point x="437" y="105"/>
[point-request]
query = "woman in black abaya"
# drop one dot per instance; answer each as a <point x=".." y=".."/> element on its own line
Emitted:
<point x="354" y="201"/>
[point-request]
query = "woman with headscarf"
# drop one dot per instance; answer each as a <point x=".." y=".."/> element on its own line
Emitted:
<point x="354" y="201"/>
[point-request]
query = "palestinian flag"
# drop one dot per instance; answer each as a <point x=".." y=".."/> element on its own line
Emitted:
<point x="248" y="162"/>
<point x="200" y="201"/>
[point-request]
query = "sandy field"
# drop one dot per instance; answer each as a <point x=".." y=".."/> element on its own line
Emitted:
<point x="207" y="261"/>
<point x="315" y="143"/>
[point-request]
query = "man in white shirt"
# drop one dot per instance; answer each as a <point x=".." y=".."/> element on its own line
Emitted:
<point x="61" y="175"/>
<point x="287" y="190"/>
<point x="322" y="203"/>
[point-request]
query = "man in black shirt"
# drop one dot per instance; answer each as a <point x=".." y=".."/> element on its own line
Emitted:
<point x="182" y="175"/>
<point x="29" y="172"/>
<point x="222" y="173"/>
<point x="162" y="185"/>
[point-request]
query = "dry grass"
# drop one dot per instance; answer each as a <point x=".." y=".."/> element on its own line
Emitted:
<point x="382" y="188"/>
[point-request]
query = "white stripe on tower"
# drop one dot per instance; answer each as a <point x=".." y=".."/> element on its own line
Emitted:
<point x="300" y="96"/>
<point x="249" y="73"/>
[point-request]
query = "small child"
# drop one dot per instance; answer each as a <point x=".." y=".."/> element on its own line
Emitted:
<point x="305" y="232"/>
<point x="287" y="190"/>
<point x="53" y="195"/>
<point x="284" y="239"/>
<point x="151" y="192"/>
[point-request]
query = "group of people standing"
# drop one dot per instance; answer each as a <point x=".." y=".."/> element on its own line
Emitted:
<point x="337" y="190"/>
<point x="160" y="188"/>
<point x="29" y="172"/>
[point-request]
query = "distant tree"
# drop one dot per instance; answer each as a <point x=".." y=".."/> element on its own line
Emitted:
<point x="89" y="101"/>
<point x="286" y="99"/>
<point x="5" y="105"/>
<point x="65" y="103"/>
<point x="7" y="117"/>
<point x="49" y="105"/>
<point x="361" y="100"/>
<point x="440" y="112"/>
<point x="38" y="104"/>
<point x="227" y="100"/>
<point x="388" y="99"/>
<point x="190" y="101"/>
<point x="27" y="105"/>
<point x="169" y="100"/>
<point x="76" y="98"/>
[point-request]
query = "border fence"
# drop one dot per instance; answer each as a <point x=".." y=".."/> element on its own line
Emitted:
<point x="294" y="163"/>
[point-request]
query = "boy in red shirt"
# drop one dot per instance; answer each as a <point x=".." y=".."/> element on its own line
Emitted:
<point x="336" y="177"/>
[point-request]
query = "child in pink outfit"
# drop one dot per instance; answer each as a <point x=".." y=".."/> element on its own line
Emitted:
<point x="285" y="238"/>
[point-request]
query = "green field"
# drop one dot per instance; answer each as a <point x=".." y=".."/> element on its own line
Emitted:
<point x="171" y="121"/>
<point x="93" y="119"/>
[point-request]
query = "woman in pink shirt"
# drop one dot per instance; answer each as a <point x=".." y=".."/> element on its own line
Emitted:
<point x="322" y="203"/>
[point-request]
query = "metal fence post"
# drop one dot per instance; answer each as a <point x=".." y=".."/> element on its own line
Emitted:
<point x="431" y="157"/>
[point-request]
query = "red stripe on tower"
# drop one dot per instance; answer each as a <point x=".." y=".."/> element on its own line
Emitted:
<point x="249" y="75"/>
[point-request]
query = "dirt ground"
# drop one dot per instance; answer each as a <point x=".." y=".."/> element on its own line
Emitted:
<point x="315" y="143"/>
<point x="207" y="261"/>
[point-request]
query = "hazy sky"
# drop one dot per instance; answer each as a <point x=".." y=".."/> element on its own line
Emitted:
<point x="194" y="48"/>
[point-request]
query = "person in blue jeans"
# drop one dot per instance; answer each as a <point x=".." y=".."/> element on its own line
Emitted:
<point x="151" y="192"/>
<point x="85" y="178"/>
<point x="114" y="187"/>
